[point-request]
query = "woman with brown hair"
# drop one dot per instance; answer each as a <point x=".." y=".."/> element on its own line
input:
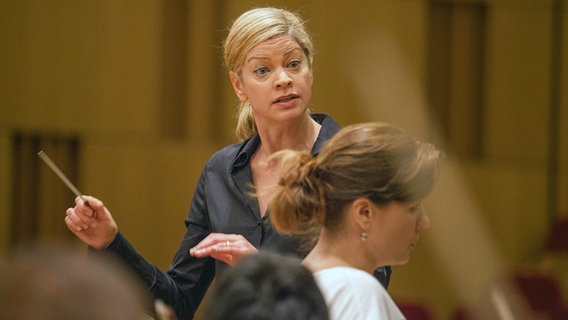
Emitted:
<point x="363" y="193"/>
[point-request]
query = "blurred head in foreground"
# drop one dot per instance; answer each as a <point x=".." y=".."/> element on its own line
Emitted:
<point x="50" y="282"/>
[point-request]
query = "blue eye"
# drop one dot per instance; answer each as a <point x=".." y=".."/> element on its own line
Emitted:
<point x="294" y="64"/>
<point x="261" y="70"/>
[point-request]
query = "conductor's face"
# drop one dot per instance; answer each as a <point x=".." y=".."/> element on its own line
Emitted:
<point x="276" y="79"/>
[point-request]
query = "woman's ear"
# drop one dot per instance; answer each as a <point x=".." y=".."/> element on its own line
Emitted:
<point x="362" y="211"/>
<point x="236" y="82"/>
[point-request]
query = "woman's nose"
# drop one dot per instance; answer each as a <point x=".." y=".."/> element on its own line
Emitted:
<point x="424" y="222"/>
<point x="283" y="80"/>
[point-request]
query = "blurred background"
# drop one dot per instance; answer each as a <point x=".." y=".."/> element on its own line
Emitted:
<point x="130" y="98"/>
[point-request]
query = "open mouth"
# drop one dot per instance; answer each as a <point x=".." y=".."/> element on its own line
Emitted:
<point x="286" y="98"/>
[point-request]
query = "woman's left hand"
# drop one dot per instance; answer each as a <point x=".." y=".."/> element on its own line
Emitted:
<point x="229" y="248"/>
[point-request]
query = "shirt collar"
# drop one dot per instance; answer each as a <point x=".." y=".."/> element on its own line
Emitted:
<point x="328" y="128"/>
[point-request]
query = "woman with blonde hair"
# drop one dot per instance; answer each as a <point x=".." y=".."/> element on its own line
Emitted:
<point x="269" y="56"/>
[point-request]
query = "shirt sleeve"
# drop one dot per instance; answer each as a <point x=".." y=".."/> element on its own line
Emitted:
<point x="185" y="283"/>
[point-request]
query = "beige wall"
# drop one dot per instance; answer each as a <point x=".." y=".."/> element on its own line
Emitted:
<point x="96" y="69"/>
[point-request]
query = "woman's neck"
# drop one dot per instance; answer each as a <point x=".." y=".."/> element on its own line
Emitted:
<point x="297" y="135"/>
<point x="338" y="251"/>
<point x="300" y="135"/>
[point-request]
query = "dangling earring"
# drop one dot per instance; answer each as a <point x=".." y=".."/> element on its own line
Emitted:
<point x="363" y="236"/>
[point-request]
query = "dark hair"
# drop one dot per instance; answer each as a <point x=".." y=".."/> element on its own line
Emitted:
<point x="377" y="161"/>
<point x="266" y="287"/>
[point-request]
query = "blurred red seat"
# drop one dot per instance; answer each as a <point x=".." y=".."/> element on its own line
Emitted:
<point x="415" y="311"/>
<point x="558" y="237"/>
<point x="558" y="313"/>
<point x="541" y="292"/>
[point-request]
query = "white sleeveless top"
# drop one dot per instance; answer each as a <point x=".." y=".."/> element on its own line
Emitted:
<point x="355" y="294"/>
